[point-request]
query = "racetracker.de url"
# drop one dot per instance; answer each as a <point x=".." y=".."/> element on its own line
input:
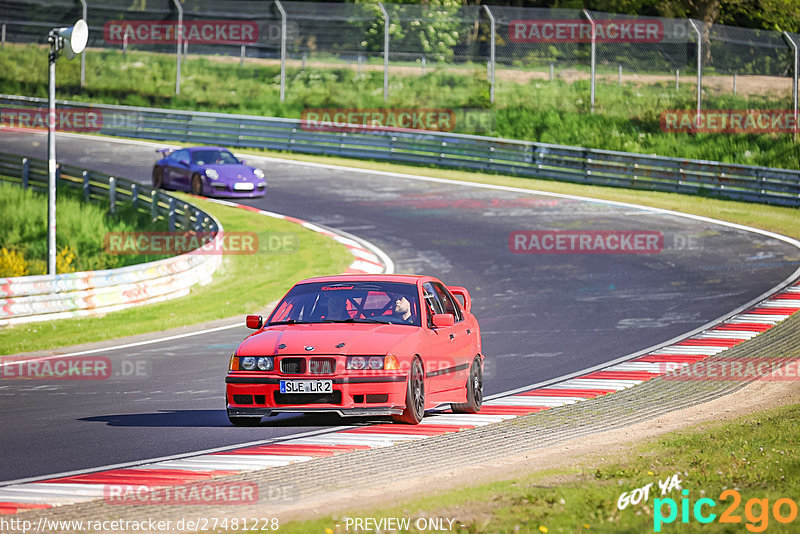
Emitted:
<point x="195" y="524"/>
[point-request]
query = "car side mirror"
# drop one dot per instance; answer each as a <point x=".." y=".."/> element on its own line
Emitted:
<point x="184" y="162"/>
<point x="254" y="321"/>
<point x="243" y="161"/>
<point x="443" y="320"/>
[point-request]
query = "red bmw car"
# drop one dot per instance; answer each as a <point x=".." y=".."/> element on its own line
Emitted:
<point x="356" y="345"/>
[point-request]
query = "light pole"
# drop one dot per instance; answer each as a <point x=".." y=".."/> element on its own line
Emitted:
<point x="71" y="40"/>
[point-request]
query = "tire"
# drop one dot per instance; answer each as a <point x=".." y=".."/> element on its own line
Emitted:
<point x="244" y="420"/>
<point x="158" y="178"/>
<point x="415" y="396"/>
<point x="197" y="185"/>
<point x="474" y="391"/>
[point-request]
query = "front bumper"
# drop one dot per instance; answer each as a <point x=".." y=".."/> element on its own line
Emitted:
<point x="250" y="393"/>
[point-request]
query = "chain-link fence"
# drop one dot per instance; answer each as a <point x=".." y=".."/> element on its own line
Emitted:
<point x="464" y="56"/>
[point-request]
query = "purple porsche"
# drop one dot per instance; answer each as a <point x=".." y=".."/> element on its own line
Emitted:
<point x="207" y="170"/>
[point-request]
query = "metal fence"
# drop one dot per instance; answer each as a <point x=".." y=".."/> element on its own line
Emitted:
<point x="29" y="299"/>
<point x="95" y="186"/>
<point x="486" y="154"/>
<point x="500" y="47"/>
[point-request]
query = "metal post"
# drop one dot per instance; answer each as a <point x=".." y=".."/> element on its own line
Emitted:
<point x="125" y="43"/>
<point x="699" y="70"/>
<point x="677" y="79"/>
<point x="26" y="169"/>
<point x="86" y="190"/>
<point x="4" y="35"/>
<point x="283" y="48"/>
<point x="154" y="205"/>
<point x="594" y="52"/>
<point x="385" y="51"/>
<point x="360" y="61"/>
<point x="552" y="72"/>
<point x="422" y="62"/>
<point x="134" y="195"/>
<point x="734" y="83"/>
<point x="619" y="77"/>
<point x="51" y="155"/>
<point x="171" y="215"/>
<point x="179" y="35"/>
<point x="492" y="58"/>
<point x="241" y="57"/>
<point x="794" y="46"/>
<point x="83" y="54"/>
<point x="112" y="194"/>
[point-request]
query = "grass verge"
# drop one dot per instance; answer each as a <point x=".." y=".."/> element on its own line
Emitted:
<point x="626" y="118"/>
<point x="244" y="283"/>
<point x="752" y="456"/>
<point x="22" y="212"/>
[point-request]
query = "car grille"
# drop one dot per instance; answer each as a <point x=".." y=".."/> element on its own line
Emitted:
<point x="293" y="366"/>
<point x="307" y="398"/>
<point x="321" y="366"/>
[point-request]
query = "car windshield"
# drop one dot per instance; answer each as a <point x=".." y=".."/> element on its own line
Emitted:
<point x="349" y="302"/>
<point x="213" y="157"/>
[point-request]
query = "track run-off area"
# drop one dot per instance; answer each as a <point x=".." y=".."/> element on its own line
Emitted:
<point x="545" y="316"/>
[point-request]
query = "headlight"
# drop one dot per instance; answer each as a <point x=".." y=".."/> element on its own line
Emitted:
<point x="364" y="362"/>
<point x="211" y="173"/>
<point x="356" y="362"/>
<point x="259" y="173"/>
<point x="248" y="363"/>
<point x="264" y="363"/>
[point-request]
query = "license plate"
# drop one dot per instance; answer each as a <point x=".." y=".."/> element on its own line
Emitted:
<point x="306" y="386"/>
<point x="243" y="186"/>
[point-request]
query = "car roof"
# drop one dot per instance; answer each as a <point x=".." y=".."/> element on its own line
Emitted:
<point x="192" y="149"/>
<point x="405" y="278"/>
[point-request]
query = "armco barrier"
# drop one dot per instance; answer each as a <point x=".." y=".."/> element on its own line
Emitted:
<point x="42" y="298"/>
<point x="487" y="154"/>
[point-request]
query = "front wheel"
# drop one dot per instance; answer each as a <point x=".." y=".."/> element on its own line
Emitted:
<point x="474" y="391"/>
<point x="415" y="396"/>
<point x="197" y="185"/>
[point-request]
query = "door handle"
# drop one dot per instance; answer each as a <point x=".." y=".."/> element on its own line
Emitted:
<point x="452" y="336"/>
<point x="469" y="331"/>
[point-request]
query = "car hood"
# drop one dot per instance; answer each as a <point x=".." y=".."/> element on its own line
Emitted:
<point x="351" y="338"/>
<point x="234" y="173"/>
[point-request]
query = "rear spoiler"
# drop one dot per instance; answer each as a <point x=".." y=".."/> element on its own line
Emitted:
<point x="462" y="292"/>
<point x="165" y="151"/>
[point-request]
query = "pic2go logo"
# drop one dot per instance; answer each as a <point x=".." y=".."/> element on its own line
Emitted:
<point x="756" y="511"/>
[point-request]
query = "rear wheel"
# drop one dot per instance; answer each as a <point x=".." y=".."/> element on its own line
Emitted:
<point x="415" y="396"/>
<point x="474" y="391"/>
<point x="197" y="185"/>
<point x="158" y="178"/>
<point x="244" y="420"/>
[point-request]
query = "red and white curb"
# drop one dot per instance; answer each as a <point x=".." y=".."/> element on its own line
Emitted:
<point x="171" y="472"/>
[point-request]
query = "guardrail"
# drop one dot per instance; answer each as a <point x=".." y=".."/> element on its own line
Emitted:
<point x="486" y="154"/>
<point x="46" y="297"/>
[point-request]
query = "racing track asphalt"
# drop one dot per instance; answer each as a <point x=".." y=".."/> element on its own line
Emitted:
<point x="542" y="316"/>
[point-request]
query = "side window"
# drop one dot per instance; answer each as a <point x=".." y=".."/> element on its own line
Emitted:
<point x="179" y="155"/>
<point x="448" y="301"/>
<point x="432" y="302"/>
